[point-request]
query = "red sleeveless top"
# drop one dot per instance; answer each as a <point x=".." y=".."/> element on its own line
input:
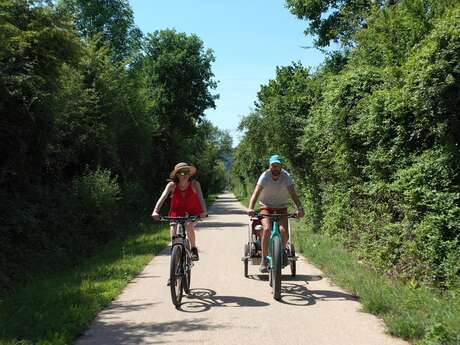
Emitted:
<point x="185" y="202"/>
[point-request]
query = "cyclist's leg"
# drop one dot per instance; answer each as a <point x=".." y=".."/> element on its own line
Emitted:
<point x="265" y="238"/>
<point x="284" y="226"/>
<point x="191" y="234"/>
<point x="266" y="224"/>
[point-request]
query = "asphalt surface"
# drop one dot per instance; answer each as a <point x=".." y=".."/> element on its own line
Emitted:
<point x="224" y="307"/>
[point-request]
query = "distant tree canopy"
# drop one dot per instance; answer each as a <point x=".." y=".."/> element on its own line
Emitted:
<point x="339" y="20"/>
<point x="333" y="20"/>
<point x="113" y="20"/>
<point x="94" y="115"/>
<point x="372" y="136"/>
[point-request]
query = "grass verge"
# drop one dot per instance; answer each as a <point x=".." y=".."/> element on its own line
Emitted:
<point x="243" y="200"/>
<point x="57" y="309"/>
<point x="421" y="315"/>
<point x="210" y="199"/>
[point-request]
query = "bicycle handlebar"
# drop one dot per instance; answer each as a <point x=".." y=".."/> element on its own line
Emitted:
<point x="275" y="215"/>
<point x="179" y="219"/>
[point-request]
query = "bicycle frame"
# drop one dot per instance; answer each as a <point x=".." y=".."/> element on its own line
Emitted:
<point x="274" y="233"/>
<point x="181" y="236"/>
<point x="181" y="260"/>
<point x="275" y="229"/>
<point x="276" y="252"/>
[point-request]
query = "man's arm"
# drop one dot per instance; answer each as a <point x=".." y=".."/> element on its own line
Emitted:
<point x="296" y="200"/>
<point x="254" y="197"/>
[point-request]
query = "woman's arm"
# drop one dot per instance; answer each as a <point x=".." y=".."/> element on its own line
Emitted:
<point x="200" y="195"/>
<point x="161" y="200"/>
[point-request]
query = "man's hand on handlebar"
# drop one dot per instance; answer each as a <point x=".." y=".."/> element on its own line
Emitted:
<point x="300" y="213"/>
<point x="251" y="212"/>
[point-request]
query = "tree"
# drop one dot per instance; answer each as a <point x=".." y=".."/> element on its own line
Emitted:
<point x="36" y="41"/>
<point x="112" y="19"/>
<point x="179" y="80"/>
<point x="377" y="158"/>
<point x="333" y="20"/>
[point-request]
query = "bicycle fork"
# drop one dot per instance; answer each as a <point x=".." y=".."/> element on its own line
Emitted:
<point x="275" y="233"/>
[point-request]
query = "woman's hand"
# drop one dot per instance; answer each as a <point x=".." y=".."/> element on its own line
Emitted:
<point x="156" y="215"/>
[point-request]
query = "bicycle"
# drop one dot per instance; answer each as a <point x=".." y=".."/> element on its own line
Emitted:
<point x="180" y="272"/>
<point x="276" y="254"/>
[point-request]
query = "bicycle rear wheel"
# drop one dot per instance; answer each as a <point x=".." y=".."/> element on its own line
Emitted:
<point x="276" y="268"/>
<point x="176" y="275"/>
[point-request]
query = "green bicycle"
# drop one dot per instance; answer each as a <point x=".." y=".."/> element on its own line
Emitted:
<point x="277" y="257"/>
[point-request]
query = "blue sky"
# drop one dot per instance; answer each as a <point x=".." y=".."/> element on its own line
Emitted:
<point x="249" y="39"/>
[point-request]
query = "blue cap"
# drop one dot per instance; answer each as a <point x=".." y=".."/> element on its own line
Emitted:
<point x="275" y="159"/>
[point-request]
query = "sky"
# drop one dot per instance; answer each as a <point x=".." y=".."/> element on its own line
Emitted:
<point x="249" y="38"/>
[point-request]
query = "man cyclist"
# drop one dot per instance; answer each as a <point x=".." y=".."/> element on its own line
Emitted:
<point x="273" y="190"/>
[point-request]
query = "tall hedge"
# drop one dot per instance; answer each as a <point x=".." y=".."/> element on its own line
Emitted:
<point x="90" y="128"/>
<point x="372" y="138"/>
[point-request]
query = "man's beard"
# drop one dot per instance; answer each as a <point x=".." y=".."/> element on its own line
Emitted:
<point x="276" y="172"/>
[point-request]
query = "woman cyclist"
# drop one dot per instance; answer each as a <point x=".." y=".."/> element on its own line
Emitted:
<point x="186" y="200"/>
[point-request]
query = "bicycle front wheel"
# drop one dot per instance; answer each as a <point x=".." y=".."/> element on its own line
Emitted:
<point x="188" y="275"/>
<point x="276" y="268"/>
<point x="176" y="275"/>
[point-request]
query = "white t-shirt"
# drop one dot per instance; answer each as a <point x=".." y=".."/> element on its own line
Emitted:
<point x="275" y="193"/>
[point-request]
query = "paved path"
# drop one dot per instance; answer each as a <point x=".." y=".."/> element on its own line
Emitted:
<point x="226" y="308"/>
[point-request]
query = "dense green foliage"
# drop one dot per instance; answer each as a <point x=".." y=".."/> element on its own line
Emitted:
<point x="93" y="118"/>
<point x="59" y="308"/>
<point x="372" y="138"/>
<point x="420" y="314"/>
<point x="333" y="20"/>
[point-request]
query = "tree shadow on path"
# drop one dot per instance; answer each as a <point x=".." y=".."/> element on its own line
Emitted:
<point x="219" y="225"/>
<point x="141" y="333"/>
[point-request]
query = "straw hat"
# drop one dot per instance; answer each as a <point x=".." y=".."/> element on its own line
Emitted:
<point x="182" y="166"/>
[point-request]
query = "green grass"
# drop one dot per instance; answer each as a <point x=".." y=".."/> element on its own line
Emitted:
<point x="243" y="199"/>
<point x="57" y="309"/>
<point x="419" y="314"/>
<point x="210" y="199"/>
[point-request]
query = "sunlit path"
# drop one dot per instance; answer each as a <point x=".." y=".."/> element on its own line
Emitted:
<point x="226" y="308"/>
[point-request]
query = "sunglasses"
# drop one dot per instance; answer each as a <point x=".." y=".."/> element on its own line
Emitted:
<point x="183" y="173"/>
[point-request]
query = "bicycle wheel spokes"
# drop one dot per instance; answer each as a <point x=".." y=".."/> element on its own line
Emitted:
<point x="176" y="275"/>
<point x="187" y="276"/>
